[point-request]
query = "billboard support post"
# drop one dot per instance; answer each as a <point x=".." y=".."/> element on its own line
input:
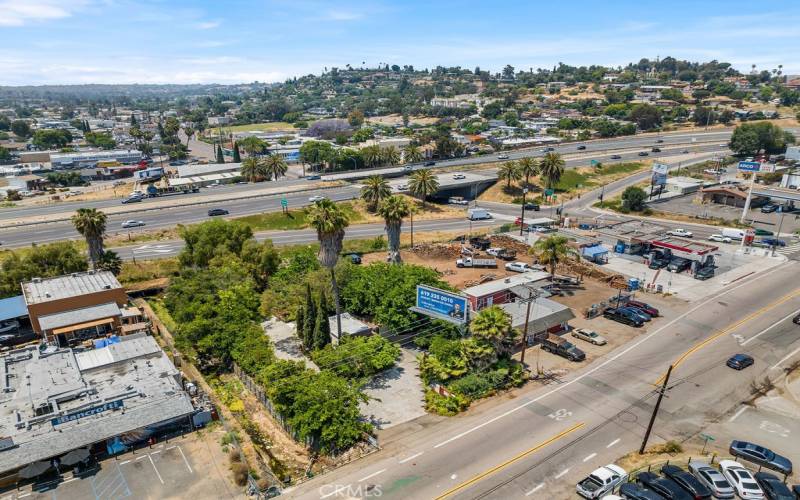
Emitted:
<point x="749" y="198"/>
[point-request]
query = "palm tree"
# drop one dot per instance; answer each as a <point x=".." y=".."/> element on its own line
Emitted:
<point x="253" y="169"/>
<point x="110" y="261"/>
<point x="528" y="167"/>
<point x="375" y="189"/>
<point x="390" y="155"/>
<point x="423" y="184"/>
<point x="253" y="145"/>
<point x="91" y="223"/>
<point x="330" y="221"/>
<point x="552" y="250"/>
<point x="371" y="155"/>
<point x="493" y="325"/>
<point x="412" y="154"/>
<point x="509" y="171"/>
<point x="189" y="131"/>
<point x="393" y="210"/>
<point x="552" y="168"/>
<point x="275" y="166"/>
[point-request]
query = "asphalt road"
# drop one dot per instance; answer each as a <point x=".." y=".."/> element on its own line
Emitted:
<point x="538" y="444"/>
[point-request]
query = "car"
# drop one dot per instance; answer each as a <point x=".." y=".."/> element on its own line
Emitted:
<point x="502" y="157"/>
<point x="616" y="157"/>
<point x="667" y="488"/>
<point x="355" y="258"/>
<point x="687" y="482"/>
<point x="769" y="208"/>
<point x="429" y="163"/>
<point x="685" y="152"/>
<point x="774" y="489"/>
<point x="741" y="479"/>
<point x="656" y="150"/>
<point x="601" y="481"/>
<point x="770" y="242"/>
<point x="402" y="187"/>
<point x="643" y="306"/>
<point x="623" y="316"/>
<point x="638" y="312"/>
<point x="531" y="206"/>
<point x="764" y="232"/>
<point x="132" y="199"/>
<point x="541" y="229"/>
<point x="632" y="491"/>
<point x="217" y="211"/>
<point x="704" y="273"/>
<point x="713" y="479"/>
<point x="760" y="455"/>
<point x="316" y="198"/>
<point x="740" y="362"/>
<point x="457" y="200"/>
<point x="518" y="267"/>
<point x="11" y="325"/>
<point x="796" y="320"/>
<point x="132" y="223"/>
<point x="678" y="264"/>
<point x="658" y="263"/>
<point x="459" y="176"/>
<point x="659" y="141"/>
<point x="589" y="336"/>
<point x="581" y="147"/>
<point x="313" y="177"/>
<point x="644" y="153"/>
<point x="681" y="232"/>
<point x="719" y="238"/>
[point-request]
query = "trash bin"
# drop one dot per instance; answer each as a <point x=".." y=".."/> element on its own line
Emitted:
<point x="633" y="284"/>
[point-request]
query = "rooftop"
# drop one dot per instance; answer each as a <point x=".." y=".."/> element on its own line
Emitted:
<point x="545" y="313"/>
<point x="495" y="286"/>
<point x="47" y="289"/>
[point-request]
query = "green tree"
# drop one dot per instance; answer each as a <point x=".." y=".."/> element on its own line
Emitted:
<point x="261" y="260"/>
<point x="751" y="138"/>
<point x="237" y="156"/>
<point x="704" y="115"/>
<point x="220" y="155"/>
<point x="423" y="183"/>
<point x="5" y="154"/>
<point x="91" y="224"/>
<point x="528" y="168"/>
<point x="253" y="145"/>
<point x="390" y="155"/>
<point x="309" y="319"/>
<point x="413" y="154"/>
<point x="51" y="138"/>
<point x="21" y="129"/>
<point x="552" y="250"/>
<point x="275" y="166"/>
<point x="493" y="325"/>
<point x="100" y="140"/>
<point x="322" y="327"/>
<point x="189" y="131"/>
<point x="205" y="241"/>
<point x="393" y="210"/>
<point x="330" y="222"/>
<point x="110" y="261"/>
<point x="42" y="261"/>
<point x="316" y="153"/>
<point x="375" y="189"/>
<point x="372" y="155"/>
<point x="253" y="169"/>
<point x="552" y="168"/>
<point x="633" y="198"/>
<point x="646" y="116"/>
<point x="509" y="172"/>
<point x="355" y="118"/>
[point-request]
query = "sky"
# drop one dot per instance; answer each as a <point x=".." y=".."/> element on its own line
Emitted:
<point x="241" y="41"/>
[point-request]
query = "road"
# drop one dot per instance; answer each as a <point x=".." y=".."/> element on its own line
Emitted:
<point x="540" y="442"/>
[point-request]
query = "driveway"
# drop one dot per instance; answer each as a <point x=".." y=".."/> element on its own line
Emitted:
<point x="398" y="394"/>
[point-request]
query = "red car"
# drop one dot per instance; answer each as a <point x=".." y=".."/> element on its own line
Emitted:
<point x="644" y="307"/>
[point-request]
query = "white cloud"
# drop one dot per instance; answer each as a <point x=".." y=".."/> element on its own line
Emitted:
<point x="343" y="15"/>
<point x="21" y="12"/>
<point x="207" y="25"/>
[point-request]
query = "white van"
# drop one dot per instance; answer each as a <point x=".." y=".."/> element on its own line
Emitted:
<point x="732" y="233"/>
<point x="478" y="214"/>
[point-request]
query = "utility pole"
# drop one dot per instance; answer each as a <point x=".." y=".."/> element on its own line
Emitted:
<point x="655" y="411"/>
<point x="533" y="294"/>
<point x="522" y="218"/>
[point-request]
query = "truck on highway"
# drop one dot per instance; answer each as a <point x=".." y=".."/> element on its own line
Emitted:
<point x="562" y="347"/>
<point x="153" y="191"/>
<point x="733" y="233"/>
<point x="478" y="214"/>
<point x="602" y="481"/>
<point x="471" y="262"/>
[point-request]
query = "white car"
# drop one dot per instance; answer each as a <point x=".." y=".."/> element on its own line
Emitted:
<point x="502" y="157"/>
<point x="459" y="176"/>
<point x="741" y="479"/>
<point x="518" y="267"/>
<point x="680" y="232"/>
<point x="132" y="223"/>
<point x="589" y="336"/>
<point x="719" y="238"/>
<point x="402" y="187"/>
<point x="316" y="198"/>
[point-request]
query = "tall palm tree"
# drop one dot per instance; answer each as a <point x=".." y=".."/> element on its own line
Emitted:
<point x="275" y="166"/>
<point x="253" y="169"/>
<point x="412" y="154"/>
<point x="330" y="222"/>
<point x="390" y="155"/>
<point x="509" y="171"/>
<point x="552" y="250"/>
<point x="528" y="167"/>
<point x="253" y="145"/>
<point x="189" y="131"/>
<point x="393" y="210"/>
<point x="552" y="168"/>
<point x="375" y="189"/>
<point x="91" y="223"/>
<point x="371" y="155"/>
<point x="423" y="183"/>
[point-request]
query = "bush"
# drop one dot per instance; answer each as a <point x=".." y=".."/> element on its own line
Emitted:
<point x="239" y="474"/>
<point x="445" y="406"/>
<point x="358" y="357"/>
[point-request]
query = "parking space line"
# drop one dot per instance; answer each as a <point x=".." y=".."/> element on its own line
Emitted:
<point x="777" y="365"/>
<point x="69" y="480"/>
<point x="155" y="469"/>
<point x="172" y="447"/>
<point x="736" y="415"/>
<point x="561" y="474"/>
<point x="125" y="462"/>
<point x="185" y="461"/>
<point x="142" y="457"/>
<point x="156" y="452"/>
<point x="24" y="495"/>
<point x="590" y="457"/>
<point x="412" y="457"/>
<point x="612" y="443"/>
<point x="535" y="489"/>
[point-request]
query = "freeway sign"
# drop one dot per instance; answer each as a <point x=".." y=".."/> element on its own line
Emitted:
<point x="284" y="202"/>
<point x="707" y="437"/>
<point x="594" y="162"/>
<point x="548" y="192"/>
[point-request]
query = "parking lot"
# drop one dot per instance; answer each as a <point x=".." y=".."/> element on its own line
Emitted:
<point x="185" y="467"/>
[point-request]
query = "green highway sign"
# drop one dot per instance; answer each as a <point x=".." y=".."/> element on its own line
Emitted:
<point x="707" y="437"/>
<point x="594" y="162"/>
<point x="548" y="192"/>
<point x="284" y="203"/>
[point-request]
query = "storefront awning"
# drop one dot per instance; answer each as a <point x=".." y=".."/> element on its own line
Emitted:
<point x="77" y="316"/>
<point x="81" y="326"/>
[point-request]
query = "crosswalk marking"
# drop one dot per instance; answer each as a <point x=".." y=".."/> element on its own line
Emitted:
<point x="789" y="249"/>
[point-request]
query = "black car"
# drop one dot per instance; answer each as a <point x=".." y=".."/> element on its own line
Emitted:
<point x="769" y="208"/>
<point x="739" y="362"/>
<point x="624" y="316"/>
<point x="532" y="206"/>
<point x="429" y="163"/>
<point x="581" y="147"/>
<point x="667" y="488"/>
<point x="644" y="153"/>
<point x="678" y="264"/>
<point x="659" y="141"/>
<point x="704" y="273"/>
<point x="796" y="320"/>
<point x="760" y="455"/>
<point x="656" y="150"/>
<point x="217" y="211"/>
<point x="773" y="487"/>
<point x="633" y="491"/>
<point x="686" y="481"/>
<point x="658" y="263"/>
<point x="616" y="157"/>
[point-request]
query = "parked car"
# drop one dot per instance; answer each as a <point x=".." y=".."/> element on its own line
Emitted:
<point x="658" y="263"/>
<point x="616" y="157"/>
<point x="132" y="223"/>
<point x="740" y="361"/>
<point x="502" y="156"/>
<point x="704" y="273"/>
<point x="686" y="481"/>
<point x="713" y="479"/>
<point x="764" y="232"/>
<point x="518" y="267"/>
<point x="217" y="211"/>
<point x="638" y="312"/>
<point x="502" y="253"/>
<point x="643" y="306"/>
<point x="632" y="491"/>
<point x="667" y="488"/>
<point x="774" y="489"/>
<point x="760" y="455"/>
<point x="681" y="232"/>
<point x="773" y="242"/>
<point x="562" y="347"/>
<point x="769" y="208"/>
<point x="429" y="164"/>
<point x="541" y="229"/>
<point x="11" y="325"/>
<point x="589" y="336"/>
<point x="644" y="153"/>
<point x="623" y="316"/>
<point x="719" y="238"/>
<point x="581" y="147"/>
<point x="313" y="177"/>
<point x="316" y="198"/>
<point x="532" y="206"/>
<point x="678" y="265"/>
<point x="741" y="479"/>
<point x="601" y="481"/>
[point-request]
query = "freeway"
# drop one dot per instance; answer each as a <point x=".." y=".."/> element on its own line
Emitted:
<point x="538" y="443"/>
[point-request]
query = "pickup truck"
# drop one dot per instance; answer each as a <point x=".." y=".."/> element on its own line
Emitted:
<point x="562" y="347"/>
<point x="479" y="243"/>
<point x="601" y="481"/>
<point x="470" y="262"/>
<point x="502" y="253"/>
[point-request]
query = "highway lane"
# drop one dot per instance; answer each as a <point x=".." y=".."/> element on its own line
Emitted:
<point x="537" y="444"/>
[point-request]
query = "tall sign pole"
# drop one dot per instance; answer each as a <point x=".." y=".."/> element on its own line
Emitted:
<point x="754" y="167"/>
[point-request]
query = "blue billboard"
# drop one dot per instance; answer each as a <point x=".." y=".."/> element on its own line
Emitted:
<point x="749" y="166"/>
<point x="441" y="304"/>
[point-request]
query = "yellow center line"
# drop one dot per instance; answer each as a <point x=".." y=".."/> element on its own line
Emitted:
<point x="510" y="461"/>
<point x="727" y="330"/>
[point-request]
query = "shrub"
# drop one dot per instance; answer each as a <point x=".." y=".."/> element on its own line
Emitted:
<point x="239" y="471"/>
<point x="441" y="405"/>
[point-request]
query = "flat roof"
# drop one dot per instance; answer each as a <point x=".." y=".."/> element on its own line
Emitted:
<point x="683" y="245"/>
<point x="209" y="168"/>
<point x="72" y="285"/>
<point x="81" y="315"/>
<point x="56" y="400"/>
<point x="495" y="286"/>
<point x="545" y="313"/>
<point x="13" y="307"/>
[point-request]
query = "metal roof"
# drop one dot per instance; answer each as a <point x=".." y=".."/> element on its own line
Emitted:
<point x="75" y="316"/>
<point x="545" y="313"/>
<point x="505" y="283"/>
<point x="13" y="307"/>
<point x="71" y="285"/>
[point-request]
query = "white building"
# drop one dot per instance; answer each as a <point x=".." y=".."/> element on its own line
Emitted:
<point x="90" y="158"/>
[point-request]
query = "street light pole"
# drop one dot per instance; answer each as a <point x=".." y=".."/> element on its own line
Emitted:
<point x="522" y="218"/>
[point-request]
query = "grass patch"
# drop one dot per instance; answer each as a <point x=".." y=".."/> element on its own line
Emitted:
<point x="295" y="219"/>
<point x="570" y="181"/>
<point x="160" y="309"/>
<point x="262" y="127"/>
<point x="146" y="270"/>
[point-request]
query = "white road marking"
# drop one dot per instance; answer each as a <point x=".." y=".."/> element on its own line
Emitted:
<point x="590" y="457"/>
<point x="371" y="475"/>
<point x="736" y="415"/>
<point x="612" y="443"/>
<point x="69" y="480"/>
<point x="24" y="495"/>
<point x="155" y="469"/>
<point x="602" y="365"/>
<point x="156" y="452"/>
<point x="535" y="489"/>
<point x="770" y="327"/>
<point x="453" y="476"/>
<point x="125" y="462"/>
<point x="172" y="447"/>
<point x="334" y="492"/>
<point x="776" y="365"/>
<point x="561" y="474"/>
<point x="142" y="457"/>
<point x="412" y="457"/>
<point x="184" y="460"/>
